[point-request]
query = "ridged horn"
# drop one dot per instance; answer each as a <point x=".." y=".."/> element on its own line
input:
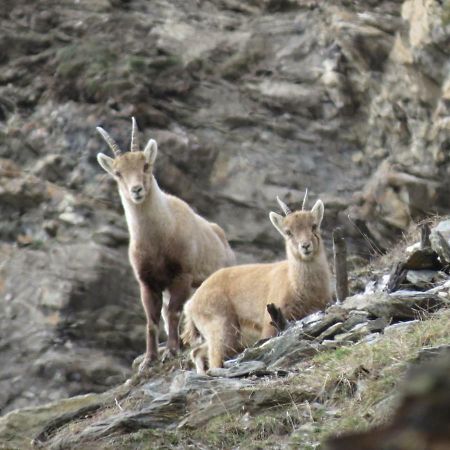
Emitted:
<point x="283" y="206"/>
<point x="110" y="141"/>
<point x="304" y="199"/>
<point x="134" y="136"/>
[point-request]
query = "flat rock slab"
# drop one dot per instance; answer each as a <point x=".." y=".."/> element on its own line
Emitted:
<point x="253" y="400"/>
<point x="399" y="305"/>
<point x="164" y="412"/>
<point x="243" y="369"/>
<point x="425" y="278"/>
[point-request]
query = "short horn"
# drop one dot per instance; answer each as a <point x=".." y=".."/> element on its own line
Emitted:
<point x="304" y="199"/>
<point x="110" y="141"/>
<point x="134" y="136"/>
<point x="283" y="206"/>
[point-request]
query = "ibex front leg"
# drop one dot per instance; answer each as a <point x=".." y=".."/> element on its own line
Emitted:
<point x="152" y="302"/>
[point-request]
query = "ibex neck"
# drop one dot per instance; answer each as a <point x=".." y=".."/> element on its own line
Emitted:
<point x="149" y="219"/>
<point x="304" y="273"/>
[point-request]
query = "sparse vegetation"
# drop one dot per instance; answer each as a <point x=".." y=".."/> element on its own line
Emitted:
<point x="349" y="388"/>
<point x="354" y="387"/>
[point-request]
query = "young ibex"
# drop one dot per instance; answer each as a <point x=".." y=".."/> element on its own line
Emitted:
<point x="171" y="248"/>
<point x="229" y="310"/>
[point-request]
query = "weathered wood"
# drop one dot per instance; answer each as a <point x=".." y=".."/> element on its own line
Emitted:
<point x="278" y="319"/>
<point x="340" y="264"/>
<point x="425" y="236"/>
<point x="397" y="277"/>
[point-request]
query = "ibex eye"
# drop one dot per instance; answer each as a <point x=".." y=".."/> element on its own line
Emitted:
<point x="314" y="227"/>
<point x="289" y="233"/>
<point x="146" y="166"/>
<point x="117" y="174"/>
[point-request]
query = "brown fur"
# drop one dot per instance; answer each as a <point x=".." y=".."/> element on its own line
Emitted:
<point x="229" y="310"/>
<point x="171" y="247"/>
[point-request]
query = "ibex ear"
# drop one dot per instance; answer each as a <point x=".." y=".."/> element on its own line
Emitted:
<point x="150" y="151"/>
<point x="277" y="222"/>
<point x="106" y="163"/>
<point x="317" y="212"/>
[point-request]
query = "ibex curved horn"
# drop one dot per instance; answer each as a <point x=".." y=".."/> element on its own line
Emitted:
<point x="304" y="199"/>
<point x="134" y="136"/>
<point x="110" y="141"/>
<point x="283" y="206"/>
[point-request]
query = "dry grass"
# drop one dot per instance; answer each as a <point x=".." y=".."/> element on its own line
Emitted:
<point x="355" y="387"/>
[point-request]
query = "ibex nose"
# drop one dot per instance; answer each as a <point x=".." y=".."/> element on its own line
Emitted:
<point x="306" y="245"/>
<point x="137" y="189"/>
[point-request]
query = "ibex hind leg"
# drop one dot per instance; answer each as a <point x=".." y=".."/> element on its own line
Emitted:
<point x="199" y="357"/>
<point x="224" y="342"/>
<point x="180" y="291"/>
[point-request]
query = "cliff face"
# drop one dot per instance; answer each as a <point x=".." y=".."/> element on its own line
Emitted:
<point x="247" y="100"/>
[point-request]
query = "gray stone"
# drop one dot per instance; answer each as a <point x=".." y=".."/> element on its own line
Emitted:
<point x="331" y="331"/>
<point x="111" y="236"/>
<point x="316" y="328"/>
<point x="60" y="326"/>
<point x="425" y="279"/>
<point x="441" y="246"/>
<point x="429" y="353"/>
<point x="399" y="305"/>
<point x="444" y="228"/>
<point x="354" y="318"/>
<point x="72" y="218"/>
<point x="399" y="326"/>
<point x="242" y="369"/>
<point x="361" y="330"/>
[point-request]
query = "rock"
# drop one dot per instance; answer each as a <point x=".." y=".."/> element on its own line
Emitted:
<point x="421" y="419"/>
<point x="50" y="227"/>
<point x="355" y="318"/>
<point x="313" y="329"/>
<point x="163" y="411"/>
<point x="441" y="246"/>
<point x="443" y="227"/>
<point x="72" y="218"/>
<point x="245" y="368"/>
<point x="58" y="329"/>
<point x="398" y="305"/>
<point x="395" y="196"/>
<point x="397" y="326"/>
<point x="331" y="331"/>
<point x="12" y="423"/>
<point x="111" y="236"/>
<point x="432" y="353"/>
<point x="425" y="279"/>
<point x="361" y="330"/>
<point x="422" y="259"/>
<point x="51" y="168"/>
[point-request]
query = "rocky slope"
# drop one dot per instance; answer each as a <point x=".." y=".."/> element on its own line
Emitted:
<point x="247" y="100"/>
<point x="329" y="372"/>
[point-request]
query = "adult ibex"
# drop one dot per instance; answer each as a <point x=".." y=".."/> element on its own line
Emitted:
<point x="171" y="247"/>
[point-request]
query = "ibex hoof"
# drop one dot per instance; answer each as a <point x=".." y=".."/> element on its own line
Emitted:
<point x="146" y="364"/>
<point x="168" y="354"/>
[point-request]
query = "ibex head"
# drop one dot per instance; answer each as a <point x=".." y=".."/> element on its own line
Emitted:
<point x="132" y="170"/>
<point x="300" y="229"/>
